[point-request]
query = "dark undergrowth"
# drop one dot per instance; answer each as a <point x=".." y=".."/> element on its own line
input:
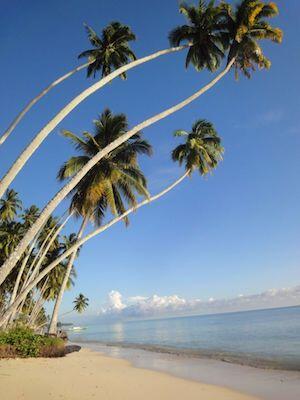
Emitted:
<point x="21" y="341"/>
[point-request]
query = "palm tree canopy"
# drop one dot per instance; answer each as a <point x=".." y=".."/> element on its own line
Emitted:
<point x="110" y="50"/>
<point x="9" y="206"/>
<point x="51" y="223"/>
<point x="202" y="149"/>
<point x="10" y="235"/>
<point x="208" y="42"/>
<point x="80" y="303"/>
<point x="247" y="24"/>
<point x="115" y="178"/>
<point x="68" y="241"/>
<point x="30" y="215"/>
<point x="55" y="278"/>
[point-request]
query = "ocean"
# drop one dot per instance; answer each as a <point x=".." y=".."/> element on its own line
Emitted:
<point x="261" y="338"/>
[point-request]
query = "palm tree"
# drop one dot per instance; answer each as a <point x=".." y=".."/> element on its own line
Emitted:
<point x="111" y="51"/>
<point x="202" y="150"/>
<point x="203" y="32"/>
<point x="55" y="278"/>
<point x="53" y="203"/>
<point x="47" y="242"/>
<point x="47" y="129"/>
<point x="10" y="236"/>
<point x="9" y="206"/>
<point x="246" y="25"/>
<point x="80" y="303"/>
<point x="113" y="177"/>
<point x="30" y="215"/>
<point x="49" y="287"/>
<point x="110" y="182"/>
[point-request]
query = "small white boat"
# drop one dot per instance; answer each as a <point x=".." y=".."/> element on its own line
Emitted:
<point x="78" y="328"/>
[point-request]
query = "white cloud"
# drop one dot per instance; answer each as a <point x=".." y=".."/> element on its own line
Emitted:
<point x="160" y="306"/>
<point x="114" y="303"/>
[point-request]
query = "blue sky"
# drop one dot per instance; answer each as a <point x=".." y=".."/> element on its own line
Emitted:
<point x="237" y="231"/>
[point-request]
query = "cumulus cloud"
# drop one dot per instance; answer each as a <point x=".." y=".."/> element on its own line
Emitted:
<point x="114" y="303"/>
<point x="163" y="306"/>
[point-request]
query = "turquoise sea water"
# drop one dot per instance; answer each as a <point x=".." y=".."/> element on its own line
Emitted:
<point x="268" y="338"/>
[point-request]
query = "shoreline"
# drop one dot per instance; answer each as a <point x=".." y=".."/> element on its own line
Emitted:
<point x="89" y="374"/>
<point x="244" y="359"/>
<point x="261" y="383"/>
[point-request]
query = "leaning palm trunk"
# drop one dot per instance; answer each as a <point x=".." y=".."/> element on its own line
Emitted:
<point x="23" y="266"/>
<point x="37" y="262"/>
<point x="39" y="303"/>
<point x="41" y="254"/>
<point x="50" y="207"/>
<point x="41" y="136"/>
<point x="18" y="280"/>
<point x="20" y="273"/>
<point x="54" y="318"/>
<point x="37" y="98"/>
<point x="79" y="243"/>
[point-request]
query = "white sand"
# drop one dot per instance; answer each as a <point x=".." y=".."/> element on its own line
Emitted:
<point x="89" y="375"/>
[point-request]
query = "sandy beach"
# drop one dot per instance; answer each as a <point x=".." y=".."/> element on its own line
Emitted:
<point x="90" y="375"/>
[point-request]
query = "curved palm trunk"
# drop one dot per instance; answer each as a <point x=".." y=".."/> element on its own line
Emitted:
<point x="37" y="98"/>
<point x="50" y="207"/>
<point x="22" y="268"/>
<point x="39" y="303"/>
<point x="41" y="136"/>
<point x="38" y="259"/>
<point x="20" y="273"/>
<point x="18" y="280"/>
<point x="79" y="243"/>
<point x="54" y="318"/>
<point x="41" y="254"/>
<point x="68" y="312"/>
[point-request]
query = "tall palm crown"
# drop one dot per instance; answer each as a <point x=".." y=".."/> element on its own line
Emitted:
<point x="80" y="303"/>
<point x="115" y="178"/>
<point x="111" y="50"/>
<point x="246" y="25"/>
<point x="202" y="149"/>
<point x="9" y="206"/>
<point x="203" y="32"/>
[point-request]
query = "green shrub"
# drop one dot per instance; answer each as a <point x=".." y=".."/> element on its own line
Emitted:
<point x="25" y="343"/>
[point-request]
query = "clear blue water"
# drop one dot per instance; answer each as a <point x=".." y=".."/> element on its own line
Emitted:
<point x="264" y="337"/>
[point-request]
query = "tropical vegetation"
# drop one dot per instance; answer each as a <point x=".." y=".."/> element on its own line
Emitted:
<point x="104" y="182"/>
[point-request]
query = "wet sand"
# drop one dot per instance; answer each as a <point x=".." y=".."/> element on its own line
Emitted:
<point x="266" y="384"/>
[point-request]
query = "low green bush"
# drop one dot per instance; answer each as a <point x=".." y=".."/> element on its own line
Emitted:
<point x="23" y="342"/>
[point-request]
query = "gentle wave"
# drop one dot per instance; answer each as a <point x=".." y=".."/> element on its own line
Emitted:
<point x="234" y="358"/>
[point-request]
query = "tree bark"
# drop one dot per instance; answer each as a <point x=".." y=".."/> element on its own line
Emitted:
<point x="53" y="323"/>
<point x="50" y="207"/>
<point x="37" y="98"/>
<point x="79" y="243"/>
<point x="41" y="136"/>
